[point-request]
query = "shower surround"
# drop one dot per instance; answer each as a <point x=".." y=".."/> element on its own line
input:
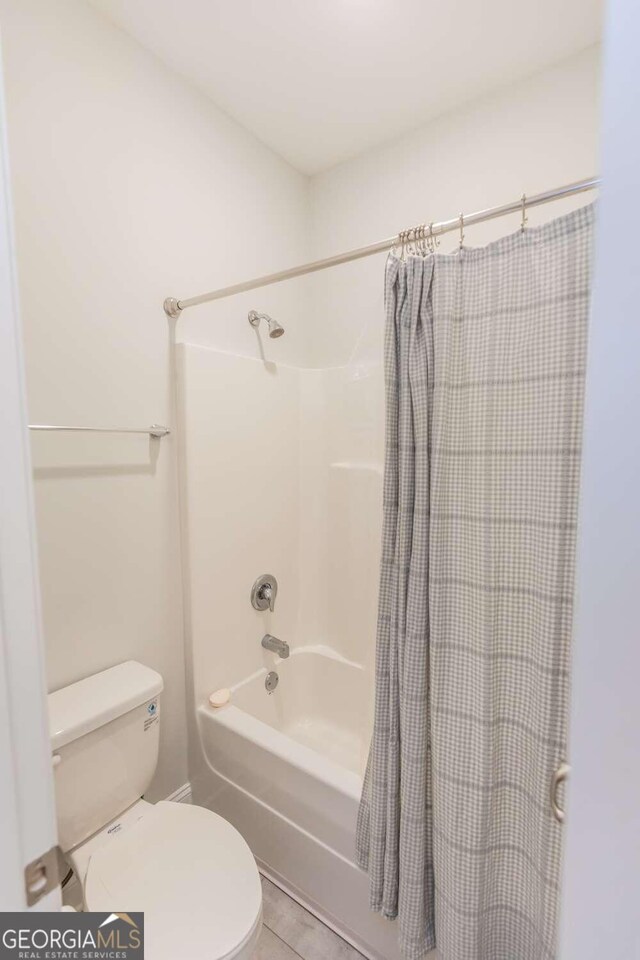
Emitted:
<point x="281" y="472"/>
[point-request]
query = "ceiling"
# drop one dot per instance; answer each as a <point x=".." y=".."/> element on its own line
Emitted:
<point x="321" y="80"/>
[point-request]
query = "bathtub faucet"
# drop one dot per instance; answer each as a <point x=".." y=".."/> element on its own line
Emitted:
<point x="275" y="645"/>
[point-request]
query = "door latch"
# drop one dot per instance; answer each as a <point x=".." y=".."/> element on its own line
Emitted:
<point x="41" y="876"/>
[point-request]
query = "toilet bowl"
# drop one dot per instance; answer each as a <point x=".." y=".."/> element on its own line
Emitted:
<point x="186" y="868"/>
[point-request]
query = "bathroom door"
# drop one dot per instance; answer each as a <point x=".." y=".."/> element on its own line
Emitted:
<point x="28" y="867"/>
<point x="602" y="872"/>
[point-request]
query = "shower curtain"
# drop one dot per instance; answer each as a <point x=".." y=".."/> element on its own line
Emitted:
<point x="484" y="369"/>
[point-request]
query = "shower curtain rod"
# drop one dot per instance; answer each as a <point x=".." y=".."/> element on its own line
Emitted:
<point x="173" y="308"/>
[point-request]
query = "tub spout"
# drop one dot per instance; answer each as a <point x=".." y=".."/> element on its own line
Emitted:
<point x="276" y="646"/>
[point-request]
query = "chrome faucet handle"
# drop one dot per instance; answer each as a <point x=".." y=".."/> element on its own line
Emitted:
<point x="264" y="592"/>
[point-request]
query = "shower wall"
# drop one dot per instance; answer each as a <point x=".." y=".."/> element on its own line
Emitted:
<point x="341" y="459"/>
<point x="282" y="471"/>
<point x="240" y="425"/>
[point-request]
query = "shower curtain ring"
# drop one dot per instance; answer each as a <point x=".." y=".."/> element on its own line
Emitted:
<point x="525" y="219"/>
<point x="460" y="245"/>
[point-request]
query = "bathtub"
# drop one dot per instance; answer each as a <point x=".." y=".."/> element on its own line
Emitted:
<point x="286" y="769"/>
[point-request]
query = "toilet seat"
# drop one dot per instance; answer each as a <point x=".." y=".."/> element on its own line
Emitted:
<point x="191" y="873"/>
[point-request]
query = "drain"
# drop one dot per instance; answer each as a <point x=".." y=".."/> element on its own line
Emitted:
<point x="271" y="681"/>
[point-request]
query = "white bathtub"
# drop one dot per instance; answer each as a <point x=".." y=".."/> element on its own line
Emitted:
<point x="286" y="769"/>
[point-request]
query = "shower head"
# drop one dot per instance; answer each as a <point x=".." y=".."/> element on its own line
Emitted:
<point x="275" y="329"/>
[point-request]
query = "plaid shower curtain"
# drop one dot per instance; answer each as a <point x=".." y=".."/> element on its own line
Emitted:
<point x="484" y="366"/>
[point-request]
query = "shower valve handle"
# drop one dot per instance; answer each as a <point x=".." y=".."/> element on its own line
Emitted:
<point x="266" y="593"/>
<point x="263" y="592"/>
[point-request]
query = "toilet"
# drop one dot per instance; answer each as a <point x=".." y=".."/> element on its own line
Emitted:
<point x="187" y="868"/>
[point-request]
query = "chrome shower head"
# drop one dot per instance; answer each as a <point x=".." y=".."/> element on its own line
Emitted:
<point x="275" y="329"/>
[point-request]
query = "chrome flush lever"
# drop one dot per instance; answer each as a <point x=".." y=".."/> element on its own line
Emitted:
<point x="264" y="592"/>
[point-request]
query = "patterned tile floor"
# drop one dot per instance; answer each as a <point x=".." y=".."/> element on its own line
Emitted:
<point x="290" y="932"/>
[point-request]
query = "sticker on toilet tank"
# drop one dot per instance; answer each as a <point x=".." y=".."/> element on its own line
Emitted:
<point x="152" y="715"/>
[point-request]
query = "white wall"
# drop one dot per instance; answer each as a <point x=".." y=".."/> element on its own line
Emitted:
<point x="128" y="187"/>
<point x="533" y="135"/>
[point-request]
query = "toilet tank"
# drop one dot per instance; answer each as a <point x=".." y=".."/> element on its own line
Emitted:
<point x="104" y="734"/>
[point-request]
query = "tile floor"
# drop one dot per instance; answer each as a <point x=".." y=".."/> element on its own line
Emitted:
<point x="290" y="932"/>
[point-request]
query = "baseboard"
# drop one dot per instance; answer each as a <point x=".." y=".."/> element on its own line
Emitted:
<point x="182" y="794"/>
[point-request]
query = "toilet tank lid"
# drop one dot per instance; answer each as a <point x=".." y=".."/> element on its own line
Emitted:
<point x="90" y="703"/>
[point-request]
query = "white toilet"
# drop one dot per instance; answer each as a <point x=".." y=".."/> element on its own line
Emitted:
<point x="189" y="870"/>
